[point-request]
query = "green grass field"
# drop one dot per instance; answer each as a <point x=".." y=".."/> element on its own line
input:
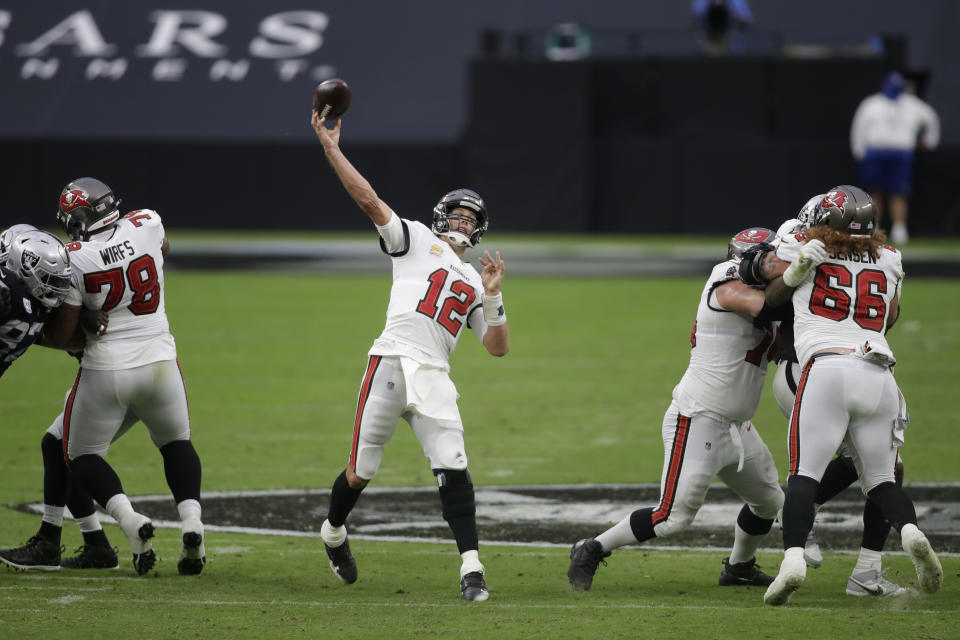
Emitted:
<point x="272" y="364"/>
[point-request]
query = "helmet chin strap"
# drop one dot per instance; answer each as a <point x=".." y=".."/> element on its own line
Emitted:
<point x="458" y="238"/>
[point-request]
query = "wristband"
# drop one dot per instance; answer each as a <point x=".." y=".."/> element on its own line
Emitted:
<point x="493" y="311"/>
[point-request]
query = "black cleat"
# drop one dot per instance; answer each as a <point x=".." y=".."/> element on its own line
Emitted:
<point x="342" y="562"/>
<point x="585" y="556"/>
<point x="143" y="562"/>
<point x="92" y="557"/>
<point x="744" y="574"/>
<point x="193" y="557"/>
<point x="473" y="588"/>
<point x="39" y="554"/>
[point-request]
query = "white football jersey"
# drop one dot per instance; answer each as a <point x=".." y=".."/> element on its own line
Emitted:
<point x="846" y="303"/>
<point x="434" y="296"/>
<point x="728" y="357"/>
<point x="121" y="272"/>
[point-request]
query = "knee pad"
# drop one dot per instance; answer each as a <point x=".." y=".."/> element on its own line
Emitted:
<point x="368" y="462"/>
<point x="753" y="523"/>
<point x="770" y="507"/>
<point x="456" y="493"/>
<point x="678" y="520"/>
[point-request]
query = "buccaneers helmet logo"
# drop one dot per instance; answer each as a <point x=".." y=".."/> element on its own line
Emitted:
<point x="834" y="200"/>
<point x="70" y="200"/>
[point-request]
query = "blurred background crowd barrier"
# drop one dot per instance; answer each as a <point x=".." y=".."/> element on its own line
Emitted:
<point x="637" y="116"/>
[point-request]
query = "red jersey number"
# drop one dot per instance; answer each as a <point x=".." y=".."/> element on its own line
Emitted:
<point x="835" y="293"/>
<point x="143" y="279"/>
<point x="454" y="305"/>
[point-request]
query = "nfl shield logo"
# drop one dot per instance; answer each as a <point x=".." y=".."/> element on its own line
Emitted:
<point x="707" y="446"/>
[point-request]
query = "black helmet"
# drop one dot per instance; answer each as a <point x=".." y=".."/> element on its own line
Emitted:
<point x="467" y="199"/>
<point x="846" y="208"/>
<point x="746" y="239"/>
<point x="87" y="206"/>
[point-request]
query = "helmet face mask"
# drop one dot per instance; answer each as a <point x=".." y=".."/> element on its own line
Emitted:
<point x="43" y="264"/>
<point x="460" y="199"/>
<point x="746" y="239"/>
<point x="7" y="238"/>
<point x="87" y="206"/>
<point x="846" y="208"/>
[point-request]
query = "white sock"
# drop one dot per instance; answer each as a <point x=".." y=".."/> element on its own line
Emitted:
<point x="869" y="559"/>
<point x="795" y="554"/>
<point x="189" y="510"/>
<point x="333" y="536"/>
<point x="89" y="524"/>
<point x="471" y="562"/>
<point x="119" y="507"/>
<point x="619" y="535"/>
<point x="53" y="515"/>
<point x="744" y="545"/>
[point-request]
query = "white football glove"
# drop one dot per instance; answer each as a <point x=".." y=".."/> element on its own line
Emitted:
<point x="811" y="255"/>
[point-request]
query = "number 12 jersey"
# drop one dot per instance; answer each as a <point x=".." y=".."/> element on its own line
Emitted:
<point x="434" y="295"/>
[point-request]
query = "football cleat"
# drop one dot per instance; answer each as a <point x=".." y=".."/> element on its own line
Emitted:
<point x="929" y="571"/>
<point x="39" y="554"/>
<point x="473" y="588"/>
<point x="193" y="556"/>
<point x="793" y="571"/>
<point x="139" y="531"/>
<point x="746" y="574"/>
<point x="872" y="582"/>
<point x="811" y="552"/>
<point x="585" y="556"/>
<point x="92" y="557"/>
<point x="342" y="562"/>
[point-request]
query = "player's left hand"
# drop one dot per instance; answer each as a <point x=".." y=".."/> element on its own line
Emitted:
<point x="492" y="274"/>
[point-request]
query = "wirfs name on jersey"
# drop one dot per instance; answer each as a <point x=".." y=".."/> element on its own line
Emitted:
<point x="116" y="253"/>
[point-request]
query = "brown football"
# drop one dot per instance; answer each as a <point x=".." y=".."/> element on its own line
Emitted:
<point x="331" y="98"/>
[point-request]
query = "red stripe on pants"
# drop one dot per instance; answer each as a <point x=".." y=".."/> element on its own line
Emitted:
<point x="361" y="403"/>
<point x="793" y="440"/>
<point x="67" y="410"/>
<point x="673" y="471"/>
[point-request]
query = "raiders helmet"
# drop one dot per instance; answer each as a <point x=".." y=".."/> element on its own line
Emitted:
<point x="746" y="239"/>
<point x="467" y="199"/>
<point x="87" y="206"/>
<point x="43" y="264"/>
<point x="7" y="238"/>
<point x="846" y="208"/>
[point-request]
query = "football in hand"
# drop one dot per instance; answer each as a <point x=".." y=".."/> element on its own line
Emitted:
<point x="331" y="98"/>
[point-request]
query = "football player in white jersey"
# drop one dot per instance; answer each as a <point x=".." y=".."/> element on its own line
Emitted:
<point x="129" y="372"/>
<point x="844" y="283"/>
<point x="868" y="577"/>
<point x="436" y="296"/>
<point x="707" y="430"/>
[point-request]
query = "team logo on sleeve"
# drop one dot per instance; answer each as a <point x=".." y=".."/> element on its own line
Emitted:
<point x="436" y="250"/>
<point x="73" y="199"/>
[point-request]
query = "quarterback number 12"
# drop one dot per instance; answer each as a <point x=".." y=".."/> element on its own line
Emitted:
<point x="458" y="303"/>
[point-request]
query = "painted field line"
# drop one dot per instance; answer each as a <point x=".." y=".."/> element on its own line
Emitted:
<point x="579" y="605"/>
